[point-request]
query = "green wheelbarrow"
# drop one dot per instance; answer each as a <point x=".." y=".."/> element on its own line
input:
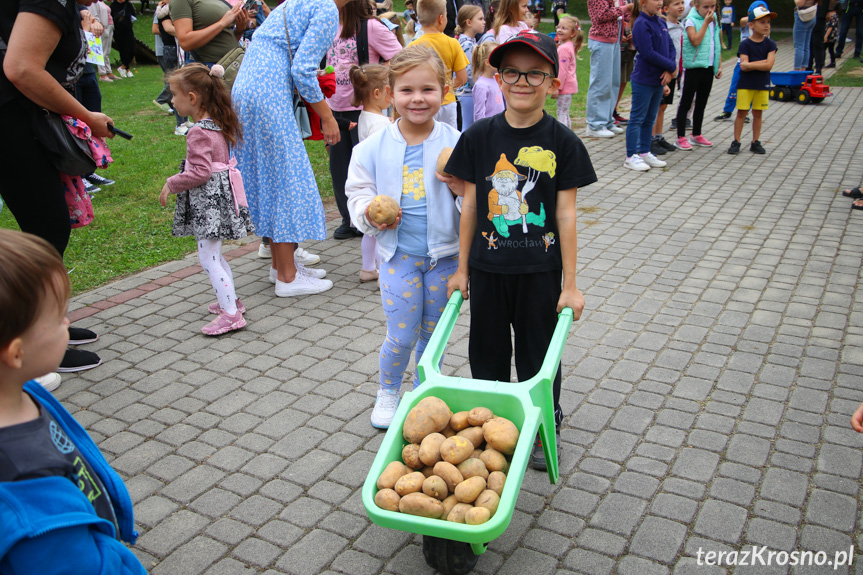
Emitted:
<point x="454" y="548"/>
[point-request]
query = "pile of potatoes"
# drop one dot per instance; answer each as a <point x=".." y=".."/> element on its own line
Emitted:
<point x="453" y="467"/>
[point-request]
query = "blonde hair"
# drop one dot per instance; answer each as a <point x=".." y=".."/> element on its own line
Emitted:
<point x="578" y="38"/>
<point x="508" y="14"/>
<point x="428" y="11"/>
<point x="480" y="58"/>
<point x="465" y="13"/>
<point x="415" y="56"/>
<point x="366" y="79"/>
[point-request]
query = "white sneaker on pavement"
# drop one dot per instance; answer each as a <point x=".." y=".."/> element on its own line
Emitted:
<point x="653" y="161"/>
<point x="616" y="129"/>
<point x="601" y="133"/>
<point x="636" y="163"/>
<point x="305" y="258"/>
<point x="264" y="251"/>
<point x="51" y="381"/>
<point x="316" y="273"/>
<point x="385" y="408"/>
<point x="302" y="285"/>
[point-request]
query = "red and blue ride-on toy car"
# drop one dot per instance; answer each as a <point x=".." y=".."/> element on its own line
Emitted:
<point x="798" y="85"/>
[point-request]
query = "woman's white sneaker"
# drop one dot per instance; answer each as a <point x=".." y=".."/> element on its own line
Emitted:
<point x="305" y="258"/>
<point x="302" y="285"/>
<point x="652" y="161"/>
<point x="636" y="163"/>
<point x="316" y="273"/>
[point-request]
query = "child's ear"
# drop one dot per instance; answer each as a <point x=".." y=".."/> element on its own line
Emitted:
<point x="555" y="86"/>
<point x="12" y="355"/>
<point x="445" y="92"/>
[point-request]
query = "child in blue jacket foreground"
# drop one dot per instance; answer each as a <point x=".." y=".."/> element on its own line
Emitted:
<point x="62" y="508"/>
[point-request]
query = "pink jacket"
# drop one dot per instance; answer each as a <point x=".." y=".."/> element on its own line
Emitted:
<point x="568" y="80"/>
<point x="604" y="25"/>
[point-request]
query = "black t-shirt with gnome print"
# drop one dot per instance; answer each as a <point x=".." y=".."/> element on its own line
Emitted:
<point x="518" y="172"/>
<point x="67" y="61"/>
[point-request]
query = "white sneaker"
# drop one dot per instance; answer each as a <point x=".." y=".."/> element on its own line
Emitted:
<point x="601" y="133"/>
<point x="302" y="285"/>
<point x="129" y="74"/>
<point x="305" y="258"/>
<point x="189" y="124"/>
<point x="636" y="163"/>
<point x="316" y="273"/>
<point x="274" y="275"/>
<point x="616" y="130"/>
<point x="385" y="408"/>
<point x="122" y="72"/>
<point x="51" y="381"/>
<point x="264" y="251"/>
<point x="653" y="161"/>
<point x="181" y="130"/>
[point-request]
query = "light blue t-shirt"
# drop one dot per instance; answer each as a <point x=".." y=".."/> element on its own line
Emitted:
<point x="413" y="230"/>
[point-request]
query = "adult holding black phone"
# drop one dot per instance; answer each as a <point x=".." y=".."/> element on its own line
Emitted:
<point x="209" y="29"/>
<point x="43" y="54"/>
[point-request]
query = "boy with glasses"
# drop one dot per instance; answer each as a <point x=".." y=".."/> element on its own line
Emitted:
<point x="521" y="171"/>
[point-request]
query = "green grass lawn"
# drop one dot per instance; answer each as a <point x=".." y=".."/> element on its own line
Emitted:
<point x="850" y="74"/>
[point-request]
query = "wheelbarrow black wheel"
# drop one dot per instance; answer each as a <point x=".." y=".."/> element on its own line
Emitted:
<point x="448" y="557"/>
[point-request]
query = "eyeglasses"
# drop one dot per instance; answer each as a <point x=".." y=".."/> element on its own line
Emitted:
<point x="533" y="77"/>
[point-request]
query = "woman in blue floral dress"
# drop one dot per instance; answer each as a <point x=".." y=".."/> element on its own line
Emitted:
<point x="280" y="186"/>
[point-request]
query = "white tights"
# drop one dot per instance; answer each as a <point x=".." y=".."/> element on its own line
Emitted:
<point x="564" y="103"/>
<point x="217" y="268"/>
<point x="369" y="248"/>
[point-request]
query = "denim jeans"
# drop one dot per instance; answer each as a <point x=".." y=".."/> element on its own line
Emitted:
<point x="802" y="40"/>
<point x="642" y="116"/>
<point x="604" y="83"/>
<point x="731" y="100"/>
<point x="855" y="10"/>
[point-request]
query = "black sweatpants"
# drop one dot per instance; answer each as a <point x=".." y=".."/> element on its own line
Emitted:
<point x="528" y="303"/>
<point x="697" y="83"/>
<point x="31" y="190"/>
<point x="340" y="158"/>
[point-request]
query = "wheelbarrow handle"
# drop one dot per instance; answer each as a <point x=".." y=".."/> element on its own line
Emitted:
<point x="440" y="336"/>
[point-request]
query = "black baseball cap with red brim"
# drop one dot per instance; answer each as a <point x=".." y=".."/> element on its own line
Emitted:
<point x="540" y="43"/>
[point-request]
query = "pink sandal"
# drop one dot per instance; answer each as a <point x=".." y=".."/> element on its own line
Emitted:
<point x="215" y="308"/>
<point x="224" y="323"/>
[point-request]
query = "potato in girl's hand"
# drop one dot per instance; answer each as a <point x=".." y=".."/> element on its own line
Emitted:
<point x="383" y="210"/>
<point x="442" y="159"/>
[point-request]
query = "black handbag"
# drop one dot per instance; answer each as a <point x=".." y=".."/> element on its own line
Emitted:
<point x="68" y="153"/>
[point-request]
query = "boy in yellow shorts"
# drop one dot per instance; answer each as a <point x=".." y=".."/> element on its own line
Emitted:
<point x="757" y="55"/>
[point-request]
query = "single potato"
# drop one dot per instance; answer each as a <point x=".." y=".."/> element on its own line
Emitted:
<point x="479" y="415"/>
<point x="496" y="481"/>
<point x="472" y="468"/>
<point x="458" y="421"/>
<point x="430" y="415"/>
<point x="410" y="483"/>
<point x="468" y="490"/>
<point x="501" y="434"/>
<point x="494" y="460"/>
<point x="387" y="499"/>
<point x="411" y="456"/>
<point x="442" y="159"/>
<point x="430" y="448"/>
<point x="458" y="512"/>
<point x="477" y="516"/>
<point x="435" y="486"/>
<point x="383" y="210"/>
<point x="392" y="472"/>
<point x="474" y="435"/>
<point x="488" y="499"/>
<point x="449" y="473"/>
<point x="422" y="505"/>
<point x="456" y="449"/>
<point x="448" y="505"/>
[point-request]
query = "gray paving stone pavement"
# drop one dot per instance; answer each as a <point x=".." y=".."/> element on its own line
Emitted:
<point x="708" y="386"/>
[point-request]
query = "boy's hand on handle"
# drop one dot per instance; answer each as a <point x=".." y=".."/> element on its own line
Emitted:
<point x="458" y="281"/>
<point x="573" y="299"/>
<point x="857" y="419"/>
<point x="456" y="185"/>
<point x="383" y="227"/>
<point x="163" y="196"/>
